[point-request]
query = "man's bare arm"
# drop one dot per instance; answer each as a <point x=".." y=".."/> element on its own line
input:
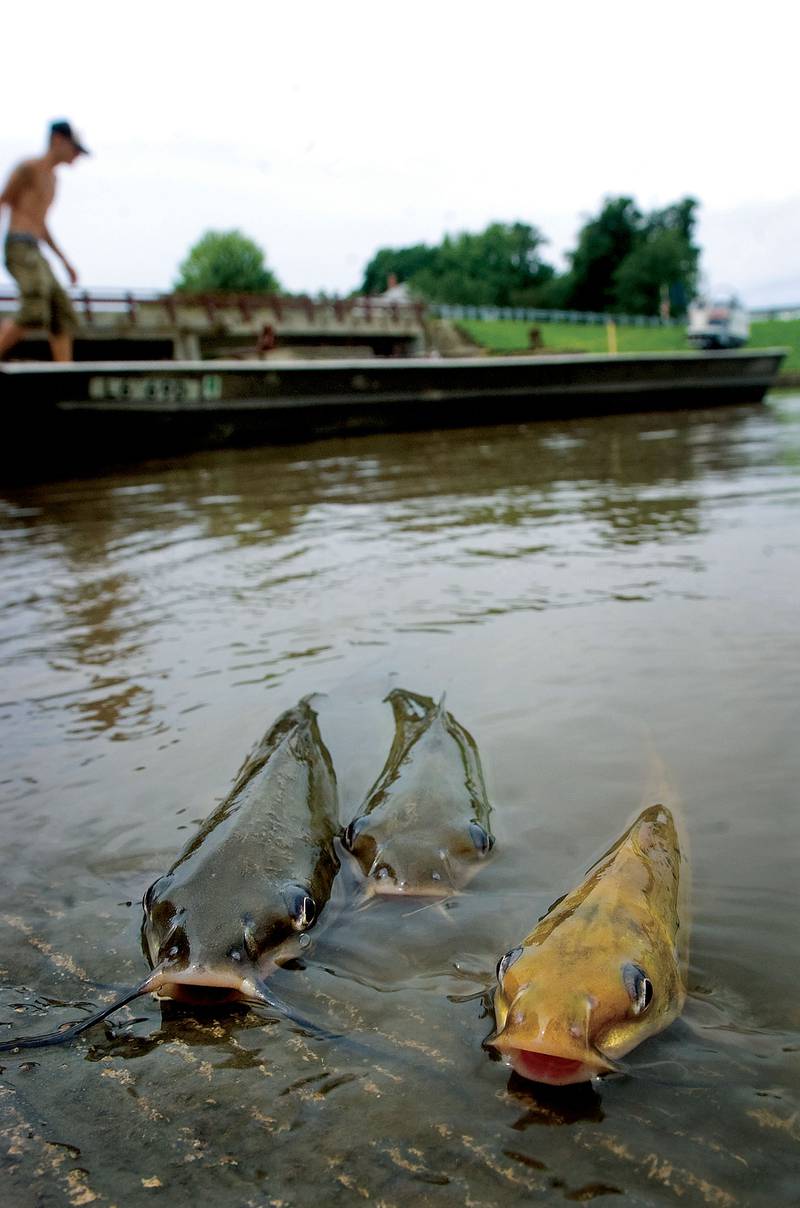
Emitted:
<point x="51" y="243"/>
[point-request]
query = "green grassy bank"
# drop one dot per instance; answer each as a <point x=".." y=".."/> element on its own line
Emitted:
<point x="511" y="335"/>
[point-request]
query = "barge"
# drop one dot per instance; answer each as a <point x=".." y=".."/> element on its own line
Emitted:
<point x="77" y="417"/>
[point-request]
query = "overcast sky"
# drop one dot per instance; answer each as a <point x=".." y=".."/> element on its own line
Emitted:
<point x="327" y="130"/>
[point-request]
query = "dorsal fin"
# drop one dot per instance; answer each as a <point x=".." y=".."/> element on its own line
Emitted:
<point x="410" y="707"/>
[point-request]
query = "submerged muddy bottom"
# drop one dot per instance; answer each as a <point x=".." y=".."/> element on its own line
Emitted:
<point x="590" y="595"/>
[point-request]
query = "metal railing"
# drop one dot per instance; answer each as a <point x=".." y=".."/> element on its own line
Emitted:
<point x="761" y="314"/>
<point x="131" y="304"/>
<point x="535" y="314"/>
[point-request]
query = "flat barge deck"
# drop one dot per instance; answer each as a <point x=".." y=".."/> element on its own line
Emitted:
<point x="70" y="418"/>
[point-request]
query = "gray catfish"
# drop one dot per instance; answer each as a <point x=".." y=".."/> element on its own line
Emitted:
<point x="258" y="873"/>
<point x="425" y="823"/>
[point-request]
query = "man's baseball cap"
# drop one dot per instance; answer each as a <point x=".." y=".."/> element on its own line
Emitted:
<point x="65" y="129"/>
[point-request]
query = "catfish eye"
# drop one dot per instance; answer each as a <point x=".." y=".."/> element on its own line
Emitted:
<point x="484" y="842"/>
<point x="301" y="907"/>
<point x="505" y="962"/>
<point x="639" y="987"/>
<point x="351" y="832"/>
<point x="175" y="946"/>
<point x="306" y="914"/>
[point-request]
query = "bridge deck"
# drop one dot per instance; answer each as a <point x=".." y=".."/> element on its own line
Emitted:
<point x="192" y="326"/>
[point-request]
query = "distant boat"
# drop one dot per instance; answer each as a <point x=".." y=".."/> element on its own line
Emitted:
<point x="718" y="324"/>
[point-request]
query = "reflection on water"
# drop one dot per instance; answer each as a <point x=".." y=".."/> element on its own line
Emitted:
<point x="585" y="593"/>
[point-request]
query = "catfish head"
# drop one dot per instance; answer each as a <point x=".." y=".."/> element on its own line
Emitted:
<point x="222" y="951"/>
<point x="205" y="962"/>
<point x="401" y="859"/>
<point x="569" y="1023"/>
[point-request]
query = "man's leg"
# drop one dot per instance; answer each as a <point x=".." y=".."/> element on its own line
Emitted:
<point x="10" y="334"/>
<point x="61" y="346"/>
<point x="28" y="267"/>
<point x="63" y="320"/>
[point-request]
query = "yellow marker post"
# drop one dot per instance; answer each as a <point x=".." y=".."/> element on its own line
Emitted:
<point x="611" y="332"/>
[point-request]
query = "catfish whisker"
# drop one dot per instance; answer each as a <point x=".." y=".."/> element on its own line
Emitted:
<point x="440" y="902"/>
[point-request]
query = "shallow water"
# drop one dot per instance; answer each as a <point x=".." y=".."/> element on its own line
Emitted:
<point x="591" y="595"/>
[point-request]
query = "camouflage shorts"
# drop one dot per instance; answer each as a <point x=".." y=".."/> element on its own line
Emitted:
<point x="43" y="302"/>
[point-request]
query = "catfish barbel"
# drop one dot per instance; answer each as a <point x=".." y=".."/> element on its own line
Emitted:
<point x="424" y="825"/>
<point x="605" y="968"/>
<point x="255" y="876"/>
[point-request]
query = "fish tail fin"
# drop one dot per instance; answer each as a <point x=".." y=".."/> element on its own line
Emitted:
<point x="64" y="1035"/>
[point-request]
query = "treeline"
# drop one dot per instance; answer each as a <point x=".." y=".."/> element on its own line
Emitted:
<point x="625" y="261"/>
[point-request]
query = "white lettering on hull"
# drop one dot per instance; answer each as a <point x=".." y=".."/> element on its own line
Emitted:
<point x="207" y="389"/>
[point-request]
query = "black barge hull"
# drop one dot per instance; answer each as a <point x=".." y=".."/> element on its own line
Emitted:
<point x="68" y="418"/>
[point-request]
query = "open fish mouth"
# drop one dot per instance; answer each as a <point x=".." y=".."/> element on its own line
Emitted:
<point x="550" y="1068"/>
<point x="197" y="995"/>
<point x="204" y="987"/>
<point x="434" y="882"/>
<point x="389" y="888"/>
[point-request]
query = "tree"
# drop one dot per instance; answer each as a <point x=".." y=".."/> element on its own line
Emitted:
<point x="603" y="243"/>
<point x="497" y="267"/>
<point x="624" y="259"/>
<point x="500" y="266"/>
<point x="401" y="262"/>
<point x="225" y="261"/>
<point x="667" y="258"/>
<point x="662" y="260"/>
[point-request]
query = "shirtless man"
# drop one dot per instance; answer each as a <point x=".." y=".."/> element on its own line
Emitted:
<point x="29" y="193"/>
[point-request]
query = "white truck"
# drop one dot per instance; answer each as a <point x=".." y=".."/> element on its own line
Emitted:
<point x="717" y="324"/>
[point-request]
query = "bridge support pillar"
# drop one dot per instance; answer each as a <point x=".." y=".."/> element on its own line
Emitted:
<point x="187" y="346"/>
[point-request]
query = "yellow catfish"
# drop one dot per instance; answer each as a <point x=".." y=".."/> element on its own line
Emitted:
<point x="605" y="968"/>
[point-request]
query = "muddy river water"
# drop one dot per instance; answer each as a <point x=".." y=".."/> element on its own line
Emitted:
<point x="589" y="594"/>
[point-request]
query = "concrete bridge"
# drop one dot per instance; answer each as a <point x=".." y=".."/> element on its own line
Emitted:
<point x="128" y="325"/>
